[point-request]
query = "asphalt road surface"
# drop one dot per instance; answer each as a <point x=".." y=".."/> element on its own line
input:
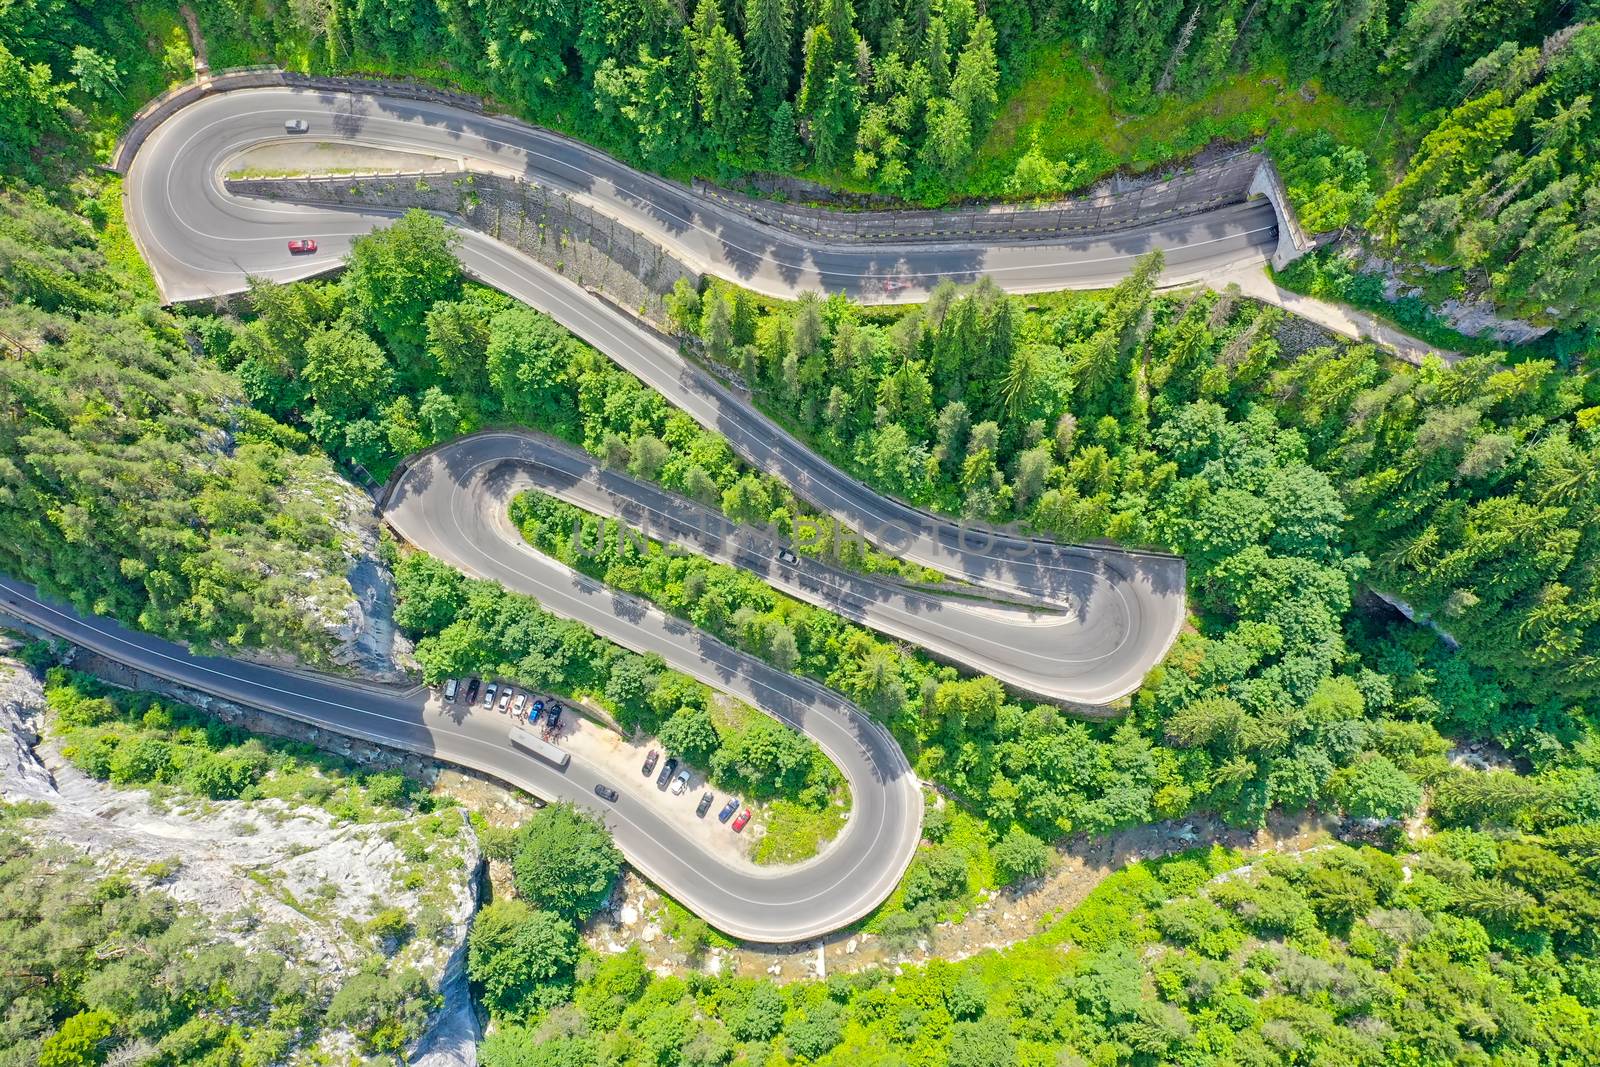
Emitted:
<point x="1081" y="640"/>
<point x="849" y="878"/>
<point x="202" y="241"/>
<point x="1149" y="586"/>
<point x="1115" y="612"/>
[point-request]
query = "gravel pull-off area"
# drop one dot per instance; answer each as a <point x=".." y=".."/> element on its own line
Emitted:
<point x="255" y="868"/>
<point x="304" y="155"/>
<point x="607" y="748"/>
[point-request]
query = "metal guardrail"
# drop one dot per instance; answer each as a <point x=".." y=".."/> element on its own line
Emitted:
<point x="168" y="103"/>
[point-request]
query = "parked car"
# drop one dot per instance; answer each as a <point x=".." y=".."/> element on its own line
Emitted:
<point x="680" y="783"/>
<point x="605" y="792"/>
<point x="739" y="823"/>
<point x="472" y="690"/>
<point x="450" y="688"/>
<point x="505" y="700"/>
<point x="296" y="126"/>
<point x="302" y="246"/>
<point x="650" y="762"/>
<point x="667" y="770"/>
<point x="787" y="556"/>
<point x="488" y="695"/>
<point x="538" y="710"/>
<point x="517" y="704"/>
<point x="553" y="719"/>
<point x="728" y="809"/>
<point x="704" y="806"/>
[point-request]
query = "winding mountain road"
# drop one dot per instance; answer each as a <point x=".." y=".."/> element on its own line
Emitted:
<point x="1097" y="619"/>
<point x="1094" y="624"/>
<point x="201" y="241"/>
<point x="781" y="904"/>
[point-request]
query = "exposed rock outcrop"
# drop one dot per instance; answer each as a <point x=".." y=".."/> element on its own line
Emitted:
<point x="268" y="872"/>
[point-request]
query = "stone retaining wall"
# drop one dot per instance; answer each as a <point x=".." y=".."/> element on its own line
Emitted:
<point x="566" y="236"/>
<point x="1230" y="180"/>
<point x="1227" y="181"/>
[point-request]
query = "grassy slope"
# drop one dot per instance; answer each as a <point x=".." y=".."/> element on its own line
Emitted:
<point x="1064" y="101"/>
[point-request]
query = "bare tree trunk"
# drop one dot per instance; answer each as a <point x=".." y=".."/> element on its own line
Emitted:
<point x="1244" y="27"/>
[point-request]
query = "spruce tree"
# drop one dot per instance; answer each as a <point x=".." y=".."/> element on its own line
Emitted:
<point x="783" y="144"/>
<point x="766" y="38"/>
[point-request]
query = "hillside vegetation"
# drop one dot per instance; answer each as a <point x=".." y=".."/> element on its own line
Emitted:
<point x="211" y="898"/>
<point x="188" y="994"/>
<point x="1455" y="134"/>
<point x="135" y="479"/>
<point x="1471" y="949"/>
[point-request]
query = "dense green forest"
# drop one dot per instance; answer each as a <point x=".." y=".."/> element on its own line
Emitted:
<point x="72" y="73"/>
<point x="895" y="93"/>
<point x="1472" y="949"/>
<point x="135" y="479"/>
<point x="1168" y="420"/>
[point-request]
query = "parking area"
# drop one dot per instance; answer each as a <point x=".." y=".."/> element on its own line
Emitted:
<point x="602" y="747"/>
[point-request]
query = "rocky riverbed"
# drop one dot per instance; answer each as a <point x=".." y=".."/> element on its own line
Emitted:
<point x="639" y="914"/>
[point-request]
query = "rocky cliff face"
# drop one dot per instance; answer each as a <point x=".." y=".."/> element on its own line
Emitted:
<point x="355" y="609"/>
<point x="365" y="636"/>
<point x="264" y="868"/>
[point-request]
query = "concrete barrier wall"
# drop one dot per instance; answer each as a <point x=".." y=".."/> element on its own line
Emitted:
<point x="1293" y="242"/>
<point x="568" y="237"/>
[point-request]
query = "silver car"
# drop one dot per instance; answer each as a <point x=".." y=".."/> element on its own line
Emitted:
<point x="680" y="783"/>
<point x="296" y="126"/>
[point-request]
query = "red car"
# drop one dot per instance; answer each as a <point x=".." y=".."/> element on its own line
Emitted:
<point x="739" y="820"/>
<point x="302" y="246"/>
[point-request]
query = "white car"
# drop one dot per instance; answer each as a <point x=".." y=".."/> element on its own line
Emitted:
<point x="296" y="126"/>
<point x="450" y="688"/>
<point x="680" y="783"/>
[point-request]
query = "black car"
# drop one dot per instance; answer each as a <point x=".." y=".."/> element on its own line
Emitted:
<point x="650" y="762"/>
<point x="472" y="690"/>
<point x="666" y="773"/>
<point x="605" y="792"/>
<point x="728" y="809"/>
<point x="704" y="806"/>
<point x="552" y="718"/>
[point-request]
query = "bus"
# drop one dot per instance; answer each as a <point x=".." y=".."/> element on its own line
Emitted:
<point x="532" y="743"/>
